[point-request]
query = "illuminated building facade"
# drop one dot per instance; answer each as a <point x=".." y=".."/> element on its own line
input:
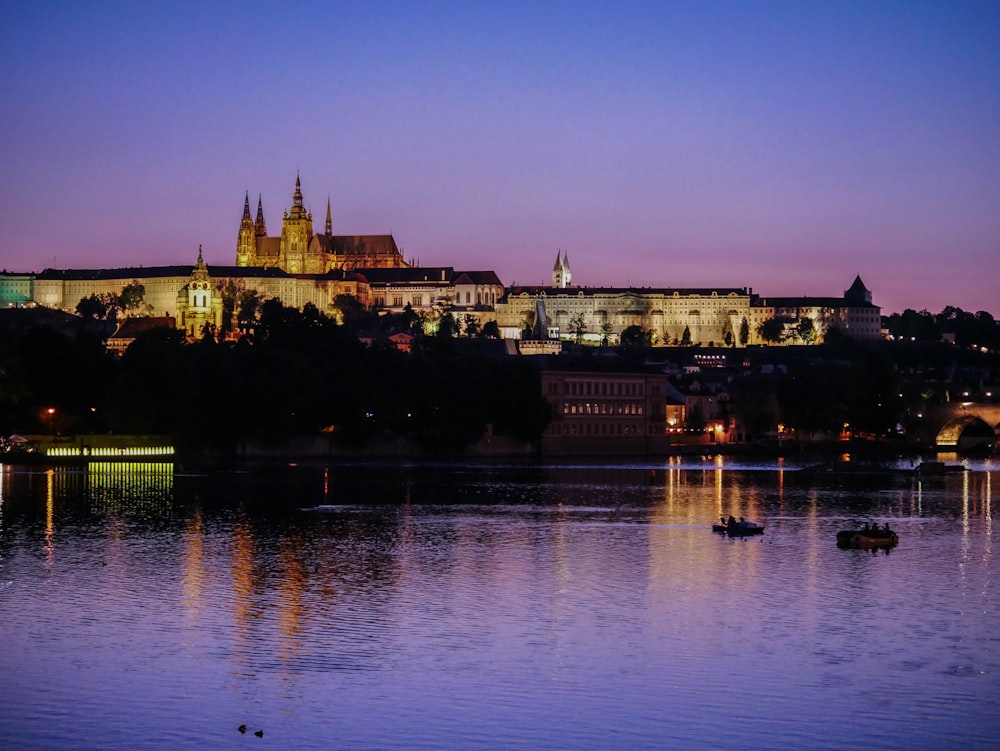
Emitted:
<point x="170" y="290"/>
<point x="853" y="315"/>
<point x="605" y="413"/>
<point x="299" y="251"/>
<point x="709" y="317"/>
<point x="605" y="312"/>
<point x="16" y="290"/>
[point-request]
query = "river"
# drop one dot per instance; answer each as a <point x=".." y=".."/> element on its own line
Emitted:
<point x="489" y="606"/>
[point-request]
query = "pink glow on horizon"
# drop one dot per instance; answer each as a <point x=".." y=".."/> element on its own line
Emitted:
<point x="659" y="145"/>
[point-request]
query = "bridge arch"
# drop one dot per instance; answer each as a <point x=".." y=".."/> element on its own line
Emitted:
<point x="965" y="432"/>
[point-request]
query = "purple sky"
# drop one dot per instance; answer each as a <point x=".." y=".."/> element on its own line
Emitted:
<point x="785" y="146"/>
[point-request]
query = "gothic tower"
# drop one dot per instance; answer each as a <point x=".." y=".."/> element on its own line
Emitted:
<point x="296" y="232"/>
<point x="259" y="228"/>
<point x="246" y="242"/>
<point x="561" y="275"/>
<point x="329" y="219"/>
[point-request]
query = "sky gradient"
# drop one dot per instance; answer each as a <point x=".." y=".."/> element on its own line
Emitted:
<point x="783" y="146"/>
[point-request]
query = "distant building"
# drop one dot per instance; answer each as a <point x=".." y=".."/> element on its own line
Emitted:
<point x="606" y="413"/>
<point x="168" y="287"/>
<point x="132" y="327"/>
<point x="467" y="295"/>
<point x="853" y="315"/>
<point x="706" y="316"/>
<point x="709" y="316"/>
<point x="16" y="290"/>
<point x="562" y="277"/>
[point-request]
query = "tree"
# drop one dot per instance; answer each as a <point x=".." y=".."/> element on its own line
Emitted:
<point x="744" y="332"/>
<point x="833" y="335"/>
<point x="633" y="337"/>
<point x="132" y="296"/>
<point x="447" y="326"/>
<point x="92" y="307"/>
<point x="471" y="325"/>
<point x="771" y="330"/>
<point x="349" y="311"/>
<point x="606" y="329"/>
<point x="578" y="325"/>
<point x="910" y="324"/>
<point x="249" y="307"/>
<point x="230" y="292"/>
<point x="103" y="307"/>
<point x="491" y="330"/>
<point x="807" y="330"/>
<point x="686" y="337"/>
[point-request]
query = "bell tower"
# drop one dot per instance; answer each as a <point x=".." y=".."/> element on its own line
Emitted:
<point x="561" y="275"/>
<point x="296" y="232"/>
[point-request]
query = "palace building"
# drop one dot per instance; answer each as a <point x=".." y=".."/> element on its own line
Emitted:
<point x="674" y="316"/>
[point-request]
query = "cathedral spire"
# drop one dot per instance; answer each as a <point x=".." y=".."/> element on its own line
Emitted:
<point x="260" y="229"/>
<point x="246" y="223"/>
<point x="329" y="218"/>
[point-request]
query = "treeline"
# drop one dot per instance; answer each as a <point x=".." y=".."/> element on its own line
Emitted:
<point x="300" y="373"/>
<point x="968" y="329"/>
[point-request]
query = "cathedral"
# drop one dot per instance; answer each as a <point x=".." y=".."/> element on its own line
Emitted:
<point x="299" y="251"/>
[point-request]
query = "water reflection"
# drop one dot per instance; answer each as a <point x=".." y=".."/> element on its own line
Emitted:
<point x="130" y="487"/>
<point x="483" y="606"/>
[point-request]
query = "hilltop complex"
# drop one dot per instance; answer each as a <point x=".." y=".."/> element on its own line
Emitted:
<point x="299" y="267"/>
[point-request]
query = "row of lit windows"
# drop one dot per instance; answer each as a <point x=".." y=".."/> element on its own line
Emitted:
<point x="63" y="451"/>
<point x="600" y="429"/>
<point x="591" y="388"/>
<point x="602" y="408"/>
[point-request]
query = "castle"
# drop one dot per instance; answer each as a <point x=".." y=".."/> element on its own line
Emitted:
<point x="299" y="267"/>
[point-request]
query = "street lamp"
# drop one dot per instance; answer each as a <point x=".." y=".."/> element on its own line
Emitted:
<point x="50" y="412"/>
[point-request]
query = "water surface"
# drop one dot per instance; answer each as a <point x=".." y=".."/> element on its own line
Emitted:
<point x="484" y="607"/>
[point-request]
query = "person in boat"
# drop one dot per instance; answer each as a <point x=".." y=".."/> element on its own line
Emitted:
<point x="732" y="521"/>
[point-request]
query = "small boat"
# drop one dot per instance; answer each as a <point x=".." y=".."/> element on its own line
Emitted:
<point x="867" y="537"/>
<point x="938" y="468"/>
<point x="740" y="528"/>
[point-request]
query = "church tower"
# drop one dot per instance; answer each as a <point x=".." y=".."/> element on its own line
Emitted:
<point x="561" y="274"/>
<point x="329" y="219"/>
<point x="296" y="232"/>
<point x="246" y="241"/>
<point x="198" y="303"/>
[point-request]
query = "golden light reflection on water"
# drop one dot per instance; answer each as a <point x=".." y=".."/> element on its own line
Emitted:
<point x="194" y="567"/>
<point x="294" y="581"/>
<point x="50" y="513"/>
<point x="245" y="582"/>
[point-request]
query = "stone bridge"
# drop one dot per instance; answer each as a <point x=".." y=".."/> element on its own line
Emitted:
<point x="959" y="425"/>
